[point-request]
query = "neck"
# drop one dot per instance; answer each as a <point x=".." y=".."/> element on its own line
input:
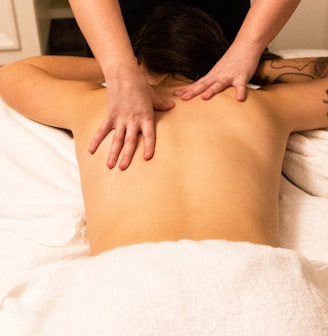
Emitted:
<point x="167" y="80"/>
<point x="155" y="79"/>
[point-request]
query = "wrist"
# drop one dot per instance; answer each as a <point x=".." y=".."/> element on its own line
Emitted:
<point x="248" y="48"/>
<point x="126" y="74"/>
<point x="124" y="68"/>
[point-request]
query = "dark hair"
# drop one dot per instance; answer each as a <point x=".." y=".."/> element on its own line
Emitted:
<point x="179" y="39"/>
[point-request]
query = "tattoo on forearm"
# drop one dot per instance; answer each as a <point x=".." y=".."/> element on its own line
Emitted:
<point x="316" y="68"/>
<point x="283" y="78"/>
<point x="286" y="69"/>
<point x="292" y="69"/>
<point x="298" y="66"/>
<point x="299" y="70"/>
<point x="320" y="66"/>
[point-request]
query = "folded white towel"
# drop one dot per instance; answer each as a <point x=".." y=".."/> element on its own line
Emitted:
<point x="306" y="159"/>
<point x="177" y="288"/>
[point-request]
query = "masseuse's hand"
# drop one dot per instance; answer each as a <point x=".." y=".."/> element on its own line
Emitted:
<point x="131" y="102"/>
<point x="235" y="69"/>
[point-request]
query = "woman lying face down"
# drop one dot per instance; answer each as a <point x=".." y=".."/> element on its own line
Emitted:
<point x="217" y="166"/>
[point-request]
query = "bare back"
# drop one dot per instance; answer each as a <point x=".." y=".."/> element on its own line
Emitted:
<point x="215" y="175"/>
<point x="217" y="164"/>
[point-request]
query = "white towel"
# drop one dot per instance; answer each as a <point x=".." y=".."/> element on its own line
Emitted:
<point x="176" y="289"/>
<point x="306" y="159"/>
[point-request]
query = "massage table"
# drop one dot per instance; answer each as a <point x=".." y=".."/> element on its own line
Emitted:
<point x="49" y="285"/>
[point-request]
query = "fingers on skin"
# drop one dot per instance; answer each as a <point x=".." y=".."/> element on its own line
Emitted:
<point x="241" y="92"/>
<point x="129" y="147"/>
<point x="218" y="87"/>
<point x="100" y="135"/>
<point x="125" y="142"/>
<point x="163" y="105"/>
<point x="116" y="147"/>
<point x="178" y="93"/>
<point x="214" y="89"/>
<point x="131" y="141"/>
<point x="125" y="137"/>
<point x="149" y="139"/>
<point x="209" y="88"/>
<point x="195" y="89"/>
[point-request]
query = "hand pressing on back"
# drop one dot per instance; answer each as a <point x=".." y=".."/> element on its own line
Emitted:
<point x="131" y="105"/>
<point x="233" y="69"/>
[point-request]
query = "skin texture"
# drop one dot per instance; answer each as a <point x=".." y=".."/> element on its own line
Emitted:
<point x="131" y="101"/>
<point x="216" y="173"/>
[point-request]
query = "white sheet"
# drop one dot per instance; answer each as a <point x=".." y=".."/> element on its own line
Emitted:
<point x="303" y="222"/>
<point x="42" y="227"/>
<point x="41" y="207"/>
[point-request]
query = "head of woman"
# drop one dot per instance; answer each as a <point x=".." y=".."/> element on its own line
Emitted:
<point x="179" y="39"/>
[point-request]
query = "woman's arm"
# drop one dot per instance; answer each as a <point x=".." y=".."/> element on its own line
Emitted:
<point x="262" y="23"/>
<point x="291" y="70"/>
<point x="131" y="101"/>
<point x="299" y="93"/>
<point x="53" y="90"/>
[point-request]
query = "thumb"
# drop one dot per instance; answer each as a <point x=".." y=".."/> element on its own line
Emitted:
<point x="163" y="104"/>
<point x="241" y="92"/>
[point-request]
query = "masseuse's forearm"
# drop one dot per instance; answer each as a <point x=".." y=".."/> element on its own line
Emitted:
<point x="103" y="26"/>
<point x="263" y="22"/>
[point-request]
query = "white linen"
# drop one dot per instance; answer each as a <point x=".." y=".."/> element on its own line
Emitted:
<point x="304" y="198"/>
<point x="303" y="222"/>
<point x="178" y="288"/>
<point x="41" y="207"/>
<point x="306" y="162"/>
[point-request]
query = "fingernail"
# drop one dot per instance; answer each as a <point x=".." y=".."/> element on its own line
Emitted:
<point x="205" y="96"/>
<point x="148" y="155"/>
<point x="185" y="96"/>
<point x="123" y="166"/>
